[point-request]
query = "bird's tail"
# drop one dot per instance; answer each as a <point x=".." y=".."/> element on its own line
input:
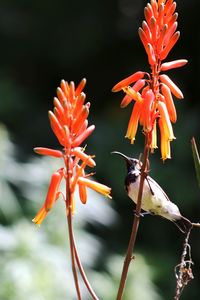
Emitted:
<point x="183" y="224"/>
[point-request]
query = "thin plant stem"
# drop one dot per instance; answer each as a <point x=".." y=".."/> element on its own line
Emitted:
<point x="69" y="218"/>
<point x="185" y="271"/>
<point x="136" y="222"/>
<point x="70" y="230"/>
<point x="82" y="272"/>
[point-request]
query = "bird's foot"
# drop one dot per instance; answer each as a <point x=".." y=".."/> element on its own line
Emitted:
<point x="142" y="214"/>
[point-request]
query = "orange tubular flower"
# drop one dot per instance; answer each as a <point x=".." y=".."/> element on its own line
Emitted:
<point x="69" y="123"/>
<point x="152" y="92"/>
<point x="98" y="187"/>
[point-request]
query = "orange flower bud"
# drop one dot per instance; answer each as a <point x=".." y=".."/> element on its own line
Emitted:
<point x="127" y="81"/>
<point x="173" y="87"/>
<point x="151" y="54"/>
<point x="82" y="192"/>
<point x="170" y="7"/>
<point x="71" y="91"/>
<point x="143" y="37"/>
<point x="139" y="85"/>
<point x="125" y="101"/>
<point x="80" y="138"/>
<point x="173" y="64"/>
<point x="67" y="136"/>
<point x="65" y="88"/>
<point x="169" y="102"/>
<point x="160" y="42"/>
<point x="160" y="2"/>
<point x="58" y="105"/>
<point x="154" y="29"/>
<point x="160" y="18"/>
<point x="148" y="12"/>
<point x="82" y="116"/>
<point x="170" y="31"/>
<point x="61" y="95"/>
<point x="60" y="111"/>
<point x="84" y="157"/>
<point x="172" y="19"/>
<point x="147" y="31"/>
<point x="146" y="111"/>
<point x="57" y="128"/>
<point x="170" y="45"/>
<point x="83" y="127"/>
<point x="154" y="6"/>
<point x="80" y="87"/>
<point x="47" y="151"/>
<point x="52" y="191"/>
<point x="79" y="103"/>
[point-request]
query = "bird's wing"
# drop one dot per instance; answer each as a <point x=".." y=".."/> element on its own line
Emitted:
<point x="153" y="183"/>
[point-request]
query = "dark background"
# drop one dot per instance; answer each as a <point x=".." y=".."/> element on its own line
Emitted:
<point x="43" y="42"/>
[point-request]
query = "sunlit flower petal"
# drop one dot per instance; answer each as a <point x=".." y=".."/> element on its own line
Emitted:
<point x="133" y="122"/>
<point x="153" y="144"/>
<point x="165" y="143"/>
<point x="98" y="187"/>
<point x="169" y="102"/>
<point x="166" y="124"/>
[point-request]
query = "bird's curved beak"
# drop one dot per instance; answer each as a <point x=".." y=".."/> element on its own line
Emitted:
<point x="127" y="159"/>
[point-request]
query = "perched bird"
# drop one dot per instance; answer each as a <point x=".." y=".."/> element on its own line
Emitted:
<point x="154" y="199"/>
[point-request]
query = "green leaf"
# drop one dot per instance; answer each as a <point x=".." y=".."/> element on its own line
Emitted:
<point x="196" y="159"/>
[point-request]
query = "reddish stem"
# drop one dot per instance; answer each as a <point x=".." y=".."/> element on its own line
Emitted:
<point x="70" y="230"/>
<point x="136" y="222"/>
<point x="82" y="272"/>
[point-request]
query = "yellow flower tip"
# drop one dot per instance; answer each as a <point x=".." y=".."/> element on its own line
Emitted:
<point x="132" y="141"/>
<point x="40" y="216"/>
<point x="164" y="158"/>
<point x="36" y="223"/>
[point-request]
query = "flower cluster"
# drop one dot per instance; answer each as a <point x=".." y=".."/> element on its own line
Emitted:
<point x="70" y="125"/>
<point x="153" y="92"/>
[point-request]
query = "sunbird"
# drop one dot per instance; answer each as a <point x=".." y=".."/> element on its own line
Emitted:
<point x="154" y="199"/>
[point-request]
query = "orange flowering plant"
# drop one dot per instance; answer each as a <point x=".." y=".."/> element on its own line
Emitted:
<point x="153" y="108"/>
<point x="69" y="123"/>
<point x="152" y="93"/>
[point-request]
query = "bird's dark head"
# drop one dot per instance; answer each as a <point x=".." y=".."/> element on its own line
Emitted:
<point x="132" y="164"/>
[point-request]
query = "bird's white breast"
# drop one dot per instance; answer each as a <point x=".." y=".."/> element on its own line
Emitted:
<point x="157" y="203"/>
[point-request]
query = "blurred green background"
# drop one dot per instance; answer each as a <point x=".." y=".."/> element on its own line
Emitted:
<point x="43" y="42"/>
